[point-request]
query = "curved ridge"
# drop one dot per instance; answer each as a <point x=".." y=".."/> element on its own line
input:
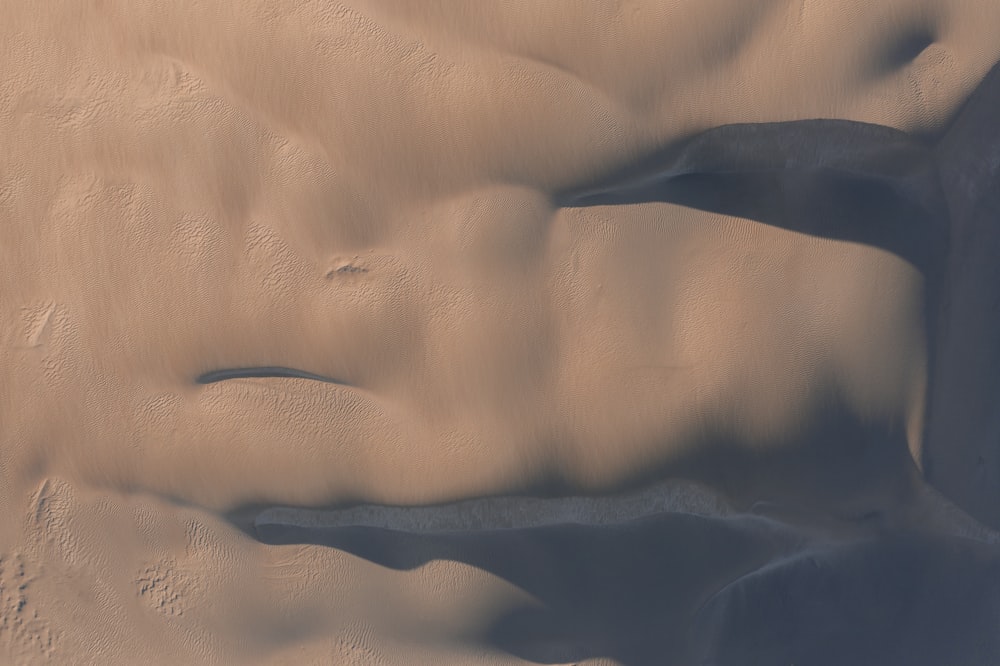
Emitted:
<point x="266" y="371"/>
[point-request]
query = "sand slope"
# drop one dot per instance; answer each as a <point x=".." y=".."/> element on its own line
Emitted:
<point x="964" y="424"/>
<point x="257" y="259"/>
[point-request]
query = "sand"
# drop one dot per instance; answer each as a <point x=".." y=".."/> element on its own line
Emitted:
<point x="431" y="332"/>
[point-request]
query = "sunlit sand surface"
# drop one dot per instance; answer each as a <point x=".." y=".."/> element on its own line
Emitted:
<point x="422" y="332"/>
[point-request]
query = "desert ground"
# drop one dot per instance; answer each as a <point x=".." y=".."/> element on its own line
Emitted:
<point x="453" y="332"/>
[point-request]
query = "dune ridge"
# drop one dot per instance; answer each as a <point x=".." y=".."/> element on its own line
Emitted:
<point x="407" y="331"/>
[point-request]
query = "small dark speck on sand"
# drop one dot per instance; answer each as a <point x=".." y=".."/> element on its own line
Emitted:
<point x="347" y="268"/>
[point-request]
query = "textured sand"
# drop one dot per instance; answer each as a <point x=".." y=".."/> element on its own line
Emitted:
<point x="270" y="272"/>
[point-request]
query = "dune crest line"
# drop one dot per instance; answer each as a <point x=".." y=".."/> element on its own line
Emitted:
<point x="262" y="372"/>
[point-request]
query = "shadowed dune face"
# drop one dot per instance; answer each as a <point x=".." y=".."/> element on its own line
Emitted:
<point x="895" y="600"/>
<point x="752" y="591"/>
<point x="405" y="253"/>
<point x="963" y="438"/>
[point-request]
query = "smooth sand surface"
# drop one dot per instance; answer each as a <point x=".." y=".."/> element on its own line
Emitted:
<point x="686" y="311"/>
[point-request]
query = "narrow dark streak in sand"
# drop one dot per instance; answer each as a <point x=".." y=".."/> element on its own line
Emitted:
<point x="263" y="372"/>
<point x="504" y="511"/>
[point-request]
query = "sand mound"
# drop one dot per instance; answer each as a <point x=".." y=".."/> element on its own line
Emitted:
<point x="679" y="295"/>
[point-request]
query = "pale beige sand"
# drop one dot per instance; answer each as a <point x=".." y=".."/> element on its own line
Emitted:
<point x="368" y="194"/>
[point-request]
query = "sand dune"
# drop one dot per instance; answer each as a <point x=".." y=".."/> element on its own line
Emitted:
<point x="964" y="425"/>
<point x="431" y="332"/>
